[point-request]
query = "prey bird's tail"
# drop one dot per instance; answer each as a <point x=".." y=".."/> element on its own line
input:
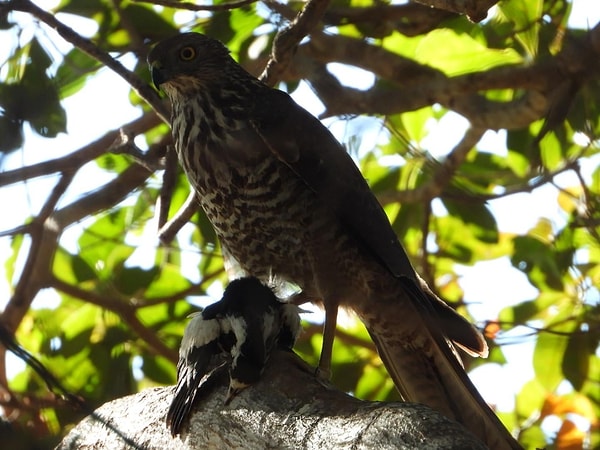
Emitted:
<point x="421" y="359"/>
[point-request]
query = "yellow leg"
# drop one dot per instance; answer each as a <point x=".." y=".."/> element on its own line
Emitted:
<point x="324" y="369"/>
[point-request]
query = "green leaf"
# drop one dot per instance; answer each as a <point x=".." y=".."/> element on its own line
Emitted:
<point x="525" y="16"/>
<point x="33" y="98"/>
<point x="518" y="163"/>
<point x="576" y="362"/>
<point x="80" y="320"/>
<point x="550" y="349"/>
<point x="552" y="152"/>
<point x="159" y="369"/>
<point x="101" y="244"/>
<point x="521" y="313"/>
<point x="547" y="359"/>
<point x="132" y="280"/>
<point x="81" y="269"/>
<point x="537" y="260"/>
<point x="476" y="217"/>
<point x="74" y="71"/>
<point x="530" y="399"/>
<point x="11" y="131"/>
<point x="533" y="437"/>
<point x="113" y="163"/>
<point x="9" y="263"/>
<point x="167" y="280"/>
<point x="414" y="124"/>
<point x="147" y="23"/>
<point x="458" y="54"/>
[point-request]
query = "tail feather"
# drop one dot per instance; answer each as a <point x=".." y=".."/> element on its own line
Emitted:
<point x="425" y="368"/>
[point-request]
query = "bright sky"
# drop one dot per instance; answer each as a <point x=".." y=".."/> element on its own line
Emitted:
<point x="490" y="285"/>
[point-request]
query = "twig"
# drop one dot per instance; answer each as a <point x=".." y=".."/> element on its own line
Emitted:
<point x="52" y="383"/>
<point x="166" y="191"/>
<point x="83" y="155"/>
<point x="287" y="40"/>
<point x="167" y="232"/>
<point x="193" y="7"/>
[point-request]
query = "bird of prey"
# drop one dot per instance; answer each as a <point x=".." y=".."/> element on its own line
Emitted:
<point x="286" y="200"/>
<point x="246" y="325"/>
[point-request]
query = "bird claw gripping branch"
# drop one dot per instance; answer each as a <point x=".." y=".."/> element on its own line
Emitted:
<point x="245" y="326"/>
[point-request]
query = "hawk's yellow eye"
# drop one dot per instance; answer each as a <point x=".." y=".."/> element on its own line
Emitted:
<point x="187" y="53"/>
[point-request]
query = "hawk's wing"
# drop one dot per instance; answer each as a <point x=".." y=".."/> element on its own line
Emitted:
<point x="308" y="148"/>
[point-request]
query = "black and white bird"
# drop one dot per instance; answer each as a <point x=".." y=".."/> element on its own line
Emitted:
<point x="246" y="325"/>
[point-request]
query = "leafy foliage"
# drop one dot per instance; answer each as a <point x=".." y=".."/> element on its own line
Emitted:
<point x="104" y="304"/>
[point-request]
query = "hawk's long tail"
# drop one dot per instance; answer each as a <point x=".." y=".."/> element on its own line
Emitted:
<point x="424" y="364"/>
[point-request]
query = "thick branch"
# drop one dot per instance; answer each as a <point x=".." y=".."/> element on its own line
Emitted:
<point x="381" y="19"/>
<point x="414" y="86"/>
<point x="288" y="408"/>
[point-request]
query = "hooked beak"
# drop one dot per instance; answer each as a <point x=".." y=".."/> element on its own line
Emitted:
<point x="157" y="73"/>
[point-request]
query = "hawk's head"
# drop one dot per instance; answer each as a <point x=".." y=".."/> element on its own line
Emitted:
<point x="187" y="59"/>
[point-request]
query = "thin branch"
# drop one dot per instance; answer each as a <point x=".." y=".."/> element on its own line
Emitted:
<point x="592" y="328"/>
<point x="83" y="155"/>
<point x="193" y="7"/>
<point x="287" y="40"/>
<point x="168" y="186"/>
<point x="529" y="186"/>
<point x="52" y="383"/>
<point x="167" y="232"/>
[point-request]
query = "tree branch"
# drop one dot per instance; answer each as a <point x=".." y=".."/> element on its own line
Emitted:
<point x="381" y="19"/>
<point x="288" y="408"/>
<point x="193" y="7"/>
<point x="76" y="159"/>
<point x="287" y="40"/>
<point x="171" y="228"/>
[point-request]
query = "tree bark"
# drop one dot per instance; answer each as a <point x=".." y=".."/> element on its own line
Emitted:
<point x="288" y="408"/>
